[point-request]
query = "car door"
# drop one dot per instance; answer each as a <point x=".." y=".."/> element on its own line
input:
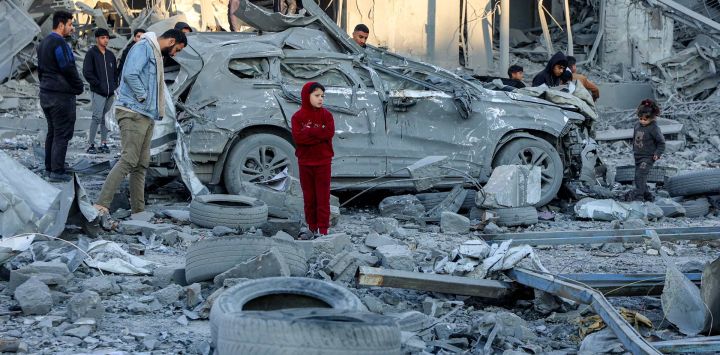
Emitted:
<point x="356" y="108"/>
<point x="425" y="119"/>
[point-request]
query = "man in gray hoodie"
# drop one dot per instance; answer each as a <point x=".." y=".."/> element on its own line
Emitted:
<point x="140" y="102"/>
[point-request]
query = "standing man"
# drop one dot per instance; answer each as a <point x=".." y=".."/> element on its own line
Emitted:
<point x="360" y="35"/>
<point x="140" y="102"/>
<point x="100" y="72"/>
<point x="594" y="90"/>
<point x="137" y="34"/>
<point x="59" y="84"/>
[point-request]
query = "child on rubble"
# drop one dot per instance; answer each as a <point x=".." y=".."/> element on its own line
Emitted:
<point x="648" y="147"/>
<point x="313" y="128"/>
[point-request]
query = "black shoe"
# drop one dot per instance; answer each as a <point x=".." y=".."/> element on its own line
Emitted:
<point x="104" y="149"/>
<point x="59" y="177"/>
<point x="92" y="149"/>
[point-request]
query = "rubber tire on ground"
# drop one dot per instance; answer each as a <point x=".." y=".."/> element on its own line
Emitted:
<point x="509" y="154"/>
<point x="215" y="210"/>
<point x="238" y="153"/>
<point x="432" y="199"/>
<point x="695" y="183"/>
<point x="626" y="174"/>
<point x="208" y="258"/>
<point x="696" y="208"/>
<point x="317" y="331"/>
<point x="517" y="216"/>
<point x="231" y="303"/>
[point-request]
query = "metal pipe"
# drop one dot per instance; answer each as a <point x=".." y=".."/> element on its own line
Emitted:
<point x="504" y="36"/>
<point x="568" y="28"/>
<point x="546" y="30"/>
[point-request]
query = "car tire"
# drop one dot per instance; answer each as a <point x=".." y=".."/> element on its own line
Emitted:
<point x="277" y="293"/>
<point x="258" y="151"/>
<point x="308" y="331"/>
<point x="695" y="183"/>
<point x="431" y="199"/>
<point x="657" y="175"/>
<point x="551" y="166"/>
<point x="208" y="258"/>
<point x="696" y="208"/>
<point x="232" y="211"/>
<point x="518" y="216"/>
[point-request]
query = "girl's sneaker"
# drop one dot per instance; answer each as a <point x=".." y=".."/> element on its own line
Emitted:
<point x="104" y="149"/>
<point x="92" y="149"/>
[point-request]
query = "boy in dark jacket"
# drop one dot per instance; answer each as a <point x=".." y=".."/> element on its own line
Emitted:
<point x="99" y="69"/>
<point x="552" y="74"/>
<point x="59" y="84"/>
<point x="137" y="35"/>
<point x="648" y="146"/>
<point x="313" y="128"/>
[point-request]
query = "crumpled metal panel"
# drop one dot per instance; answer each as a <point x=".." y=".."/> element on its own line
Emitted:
<point x="17" y="30"/>
<point x="264" y="20"/>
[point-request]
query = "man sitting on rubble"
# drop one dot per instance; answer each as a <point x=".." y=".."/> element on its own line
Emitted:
<point x="583" y="79"/>
<point x="360" y="35"/>
<point x="140" y="102"/>
<point x="515" y="75"/>
<point x="552" y="74"/>
<point x="137" y="34"/>
<point x="100" y="72"/>
<point x="59" y="84"/>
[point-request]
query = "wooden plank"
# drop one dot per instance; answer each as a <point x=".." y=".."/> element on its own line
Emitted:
<point x="457" y="285"/>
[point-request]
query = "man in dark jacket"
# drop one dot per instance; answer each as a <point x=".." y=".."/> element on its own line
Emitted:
<point x="552" y="74"/>
<point x="100" y="72"/>
<point x="59" y="84"/>
<point x="137" y="34"/>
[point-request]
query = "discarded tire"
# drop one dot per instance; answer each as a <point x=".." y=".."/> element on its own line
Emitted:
<point x="696" y="208"/>
<point x="308" y="331"/>
<point x="626" y="174"/>
<point x="208" y="258"/>
<point x="232" y="211"/>
<point x="276" y="293"/>
<point x="432" y="199"/>
<point x="518" y="216"/>
<point x="695" y="183"/>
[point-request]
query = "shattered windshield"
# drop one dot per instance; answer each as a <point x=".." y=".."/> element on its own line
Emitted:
<point x="299" y="74"/>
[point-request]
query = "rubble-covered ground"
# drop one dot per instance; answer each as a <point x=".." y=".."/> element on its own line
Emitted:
<point x="152" y="314"/>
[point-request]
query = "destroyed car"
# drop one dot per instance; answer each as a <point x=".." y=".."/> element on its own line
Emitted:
<point x="238" y="91"/>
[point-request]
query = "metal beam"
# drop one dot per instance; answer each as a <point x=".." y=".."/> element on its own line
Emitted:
<point x="616" y="285"/>
<point x="568" y="28"/>
<point x="628" y="336"/>
<point x="675" y="6"/>
<point x="546" y="30"/>
<point x="706" y="345"/>
<point x="605" y="236"/>
<point x="504" y="36"/>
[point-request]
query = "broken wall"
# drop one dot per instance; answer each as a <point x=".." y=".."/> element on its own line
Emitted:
<point x="635" y="36"/>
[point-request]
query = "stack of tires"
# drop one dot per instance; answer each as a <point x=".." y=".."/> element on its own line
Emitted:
<point x="693" y="190"/>
<point x="294" y="315"/>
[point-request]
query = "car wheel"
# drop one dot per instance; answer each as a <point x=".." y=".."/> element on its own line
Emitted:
<point x="536" y="152"/>
<point x="257" y="159"/>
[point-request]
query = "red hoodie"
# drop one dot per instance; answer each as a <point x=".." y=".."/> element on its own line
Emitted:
<point x="312" y="131"/>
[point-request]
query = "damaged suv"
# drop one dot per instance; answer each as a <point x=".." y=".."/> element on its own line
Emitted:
<point x="240" y="90"/>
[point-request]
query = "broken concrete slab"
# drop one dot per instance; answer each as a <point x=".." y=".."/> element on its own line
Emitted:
<point x="103" y="285"/>
<point x="477" y="249"/>
<point x="34" y="297"/>
<point x="86" y="304"/>
<point x="49" y="273"/>
<point x="374" y="240"/>
<point x="710" y="288"/>
<point x="169" y="294"/>
<point x="342" y="268"/>
<point x="269" y="264"/>
<point x="145" y="216"/>
<point x="427" y="172"/>
<point x="397" y="257"/>
<point x="511" y="186"/>
<point x="401" y="206"/>
<point x="384" y="225"/>
<point x="454" y="223"/>
<point x="331" y="244"/>
<point x="193" y="295"/>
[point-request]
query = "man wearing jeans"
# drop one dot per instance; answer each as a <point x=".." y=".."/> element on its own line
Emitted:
<point x="59" y="84"/>
<point x="99" y="69"/>
<point x="140" y="103"/>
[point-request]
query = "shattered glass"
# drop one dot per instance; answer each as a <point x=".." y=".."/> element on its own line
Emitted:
<point x="249" y="68"/>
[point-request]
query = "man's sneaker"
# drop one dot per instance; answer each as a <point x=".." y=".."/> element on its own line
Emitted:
<point x="59" y="177"/>
<point x="104" y="149"/>
<point x="92" y="149"/>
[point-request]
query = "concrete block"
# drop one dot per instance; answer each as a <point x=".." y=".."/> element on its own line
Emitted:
<point x="103" y="285"/>
<point x="87" y="304"/>
<point x="511" y="186"/>
<point x="674" y="146"/>
<point x="268" y="264"/>
<point x="49" y="273"/>
<point x="331" y="244"/>
<point x="404" y="205"/>
<point x="145" y="216"/>
<point x="34" y="297"/>
<point x="193" y="295"/>
<point x="384" y="225"/>
<point x="477" y="249"/>
<point x="397" y="257"/>
<point x="454" y="223"/>
<point x="375" y="240"/>
<point x="132" y="227"/>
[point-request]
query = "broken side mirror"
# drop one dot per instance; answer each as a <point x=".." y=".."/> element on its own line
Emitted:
<point x="463" y="103"/>
<point x="401" y="104"/>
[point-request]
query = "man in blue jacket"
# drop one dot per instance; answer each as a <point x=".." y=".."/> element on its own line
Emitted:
<point x="99" y="70"/>
<point x="140" y="102"/>
<point x="59" y="84"/>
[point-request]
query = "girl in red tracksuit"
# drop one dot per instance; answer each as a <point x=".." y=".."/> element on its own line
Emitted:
<point x="313" y="128"/>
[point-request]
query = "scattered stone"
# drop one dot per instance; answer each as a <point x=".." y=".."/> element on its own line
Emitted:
<point x="136" y="249"/>
<point x="509" y="325"/>
<point x="87" y="304"/>
<point x="396" y="257"/>
<point x="454" y="223"/>
<point x="132" y="227"/>
<point x="374" y="240"/>
<point x="34" y="297"/>
<point x="384" y="225"/>
<point x="614" y="248"/>
<point x="404" y="205"/>
<point x="103" y="285"/>
<point x="182" y="320"/>
<point x="188" y="237"/>
<point x="170" y="237"/>
<point x="652" y="252"/>
<point x="269" y="264"/>
<point x="121" y="213"/>
<point x="145" y="216"/>
<point x="220" y="231"/>
<point x="138" y="308"/>
<point x="284" y="236"/>
<point x="150" y="344"/>
<point x="475" y="249"/>
<point x="169" y="294"/>
<point x="49" y="273"/>
<point x="331" y="244"/>
<point x="692" y="266"/>
<point x="492" y="228"/>
<point x="633" y="223"/>
<point x="193" y="295"/>
<point x="79" y="332"/>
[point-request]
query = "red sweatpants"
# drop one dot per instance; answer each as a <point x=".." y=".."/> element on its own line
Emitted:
<point x="315" y="183"/>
